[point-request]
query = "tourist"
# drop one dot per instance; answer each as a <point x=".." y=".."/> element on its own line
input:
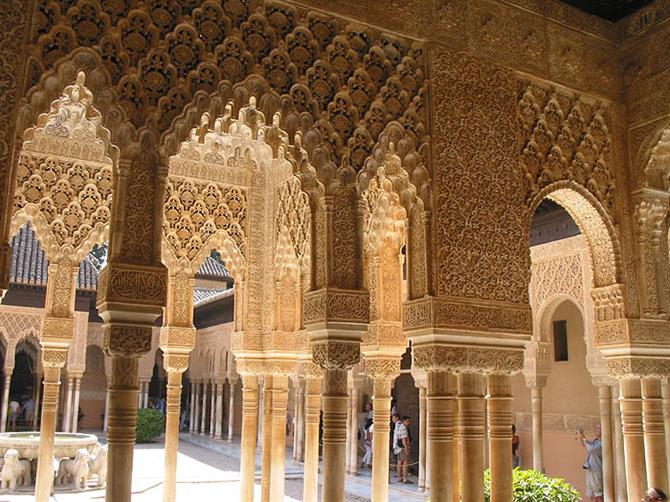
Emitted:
<point x="402" y="444"/>
<point x="395" y="421"/>
<point x="28" y="410"/>
<point x="593" y="465"/>
<point x="516" y="458"/>
<point x="13" y="413"/>
<point x="367" y="442"/>
<point x="655" y="495"/>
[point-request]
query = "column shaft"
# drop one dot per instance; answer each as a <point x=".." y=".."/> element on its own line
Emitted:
<point x="353" y="427"/>
<point x="75" y="405"/>
<point x="45" y="472"/>
<point x="173" y="408"/>
<point x="192" y="407"/>
<point x="471" y="436"/>
<point x="279" y="403"/>
<point x="38" y="394"/>
<point x="301" y="422"/>
<point x="105" y="424"/>
<point x="619" y="454"/>
<point x="198" y="403"/>
<point x="536" y="410"/>
<point x="500" y="436"/>
<point x="654" y="434"/>
<point x="381" y="409"/>
<point x="605" y="399"/>
<point x="665" y="388"/>
<point x="312" y="412"/>
<point x="5" y="400"/>
<point x="218" y="429"/>
<point x="631" y="419"/>
<point x="334" y="434"/>
<point x="67" y="419"/>
<point x="266" y="438"/>
<point x="422" y="439"/>
<point x="249" y="431"/>
<point x="122" y="423"/>
<point x="203" y="409"/>
<point x="441" y="416"/>
<point x="212" y="408"/>
<point x="231" y="410"/>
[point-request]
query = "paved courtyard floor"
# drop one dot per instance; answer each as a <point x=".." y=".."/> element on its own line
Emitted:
<point x="209" y="470"/>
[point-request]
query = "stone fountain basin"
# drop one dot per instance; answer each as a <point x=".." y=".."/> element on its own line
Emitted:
<point x="28" y="443"/>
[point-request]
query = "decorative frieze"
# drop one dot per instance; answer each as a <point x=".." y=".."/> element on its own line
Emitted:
<point x="468" y="359"/>
<point x="468" y="315"/>
<point x="327" y="305"/>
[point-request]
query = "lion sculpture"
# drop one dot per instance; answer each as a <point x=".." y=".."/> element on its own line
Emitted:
<point x="74" y="470"/>
<point x="15" y="471"/>
<point x="98" y="464"/>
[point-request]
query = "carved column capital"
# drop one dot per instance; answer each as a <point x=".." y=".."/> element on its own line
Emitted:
<point x="382" y="368"/>
<point x="175" y="362"/>
<point x="142" y="288"/>
<point x="121" y="340"/>
<point x="53" y="357"/>
<point x="336" y="355"/>
<point x="636" y="367"/>
<point x="177" y="339"/>
<point x="536" y="381"/>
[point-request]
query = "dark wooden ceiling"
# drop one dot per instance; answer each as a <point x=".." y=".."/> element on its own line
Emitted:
<point x="612" y="10"/>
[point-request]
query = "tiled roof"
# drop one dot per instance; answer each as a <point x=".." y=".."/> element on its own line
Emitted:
<point x="212" y="269"/>
<point x="29" y="264"/>
<point x="203" y="296"/>
<point x="29" y="267"/>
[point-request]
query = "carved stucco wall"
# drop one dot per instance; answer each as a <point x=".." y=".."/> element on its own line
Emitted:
<point x="561" y="270"/>
<point x="212" y="357"/>
<point x="480" y="232"/>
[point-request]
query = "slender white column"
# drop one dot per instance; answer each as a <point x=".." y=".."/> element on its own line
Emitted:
<point x="5" y="399"/>
<point x="212" y="408"/>
<point x="301" y="422"/>
<point x="422" y="439"/>
<point x="666" y="416"/>
<point x="203" y="409"/>
<point x="605" y="400"/>
<point x="198" y="402"/>
<point x="219" y="411"/>
<point x="192" y="411"/>
<point x="231" y="409"/>
<point x="536" y="407"/>
<point x="105" y="424"/>
<point x="75" y="405"/>
<point x="619" y="453"/>
<point x="353" y="427"/>
<point x="68" y="405"/>
<point x="146" y="394"/>
<point x="295" y="418"/>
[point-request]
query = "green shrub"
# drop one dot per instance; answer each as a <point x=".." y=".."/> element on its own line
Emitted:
<point x="533" y="486"/>
<point x="150" y="425"/>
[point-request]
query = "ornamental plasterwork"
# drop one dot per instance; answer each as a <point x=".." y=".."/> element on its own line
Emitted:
<point x="560" y="271"/>
<point x="565" y="137"/>
<point x="64" y="176"/>
<point x="556" y="422"/>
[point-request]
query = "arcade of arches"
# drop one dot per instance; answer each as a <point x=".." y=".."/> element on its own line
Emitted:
<point x="297" y="197"/>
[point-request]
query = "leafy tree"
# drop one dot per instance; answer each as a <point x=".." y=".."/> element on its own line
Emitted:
<point x="150" y="425"/>
<point x="533" y="486"/>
